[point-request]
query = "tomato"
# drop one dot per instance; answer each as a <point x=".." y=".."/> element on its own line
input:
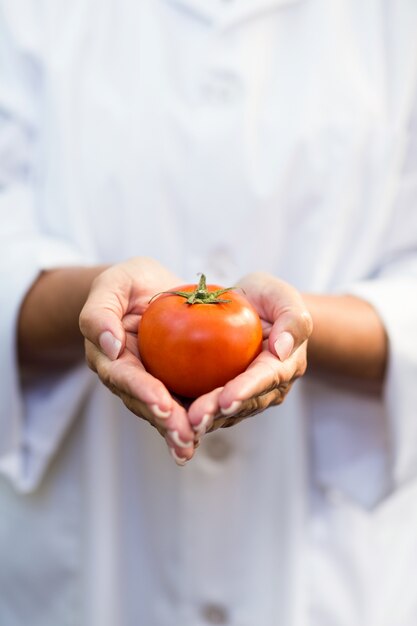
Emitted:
<point x="197" y="337"/>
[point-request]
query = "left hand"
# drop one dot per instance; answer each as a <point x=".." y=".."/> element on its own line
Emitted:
<point x="109" y="323"/>
<point x="287" y="325"/>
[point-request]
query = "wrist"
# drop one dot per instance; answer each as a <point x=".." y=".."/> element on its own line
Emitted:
<point x="348" y="337"/>
<point x="47" y="329"/>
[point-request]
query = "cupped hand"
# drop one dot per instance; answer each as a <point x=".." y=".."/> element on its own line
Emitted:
<point x="109" y="322"/>
<point x="287" y="326"/>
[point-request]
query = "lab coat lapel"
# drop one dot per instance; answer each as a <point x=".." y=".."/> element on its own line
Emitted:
<point x="227" y="13"/>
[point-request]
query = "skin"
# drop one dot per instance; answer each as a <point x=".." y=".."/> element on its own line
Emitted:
<point x="48" y="328"/>
<point x="341" y="324"/>
<point x="106" y="305"/>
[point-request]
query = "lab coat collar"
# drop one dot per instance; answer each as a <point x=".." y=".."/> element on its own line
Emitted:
<point x="227" y="13"/>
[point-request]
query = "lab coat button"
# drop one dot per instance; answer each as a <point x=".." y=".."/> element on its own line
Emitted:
<point x="221" y="87"/>
<point x="221" y="265"/>
<point x="215" y="614"/>
<point x="216" y="447"/>
<point x="334" y="496"/>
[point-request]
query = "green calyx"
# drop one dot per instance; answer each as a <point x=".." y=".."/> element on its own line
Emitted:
<point x="201" y="295"/>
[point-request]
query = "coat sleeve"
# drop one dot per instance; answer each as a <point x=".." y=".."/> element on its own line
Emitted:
<point x="33" y="419"/>
<point x="393" y="294"/>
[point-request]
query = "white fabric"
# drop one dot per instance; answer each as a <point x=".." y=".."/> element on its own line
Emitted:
<point x="220" y="137"/>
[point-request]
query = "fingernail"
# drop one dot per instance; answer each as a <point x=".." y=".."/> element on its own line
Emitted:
<point x="158" y="412"/>
<point x="284" y="345"/>
<point x="110" y="345"/>
<point x="175" y="438"/>
<point x="178" y="459"/>
<point x="201" y="428"/>
<point x="233" y="408"/>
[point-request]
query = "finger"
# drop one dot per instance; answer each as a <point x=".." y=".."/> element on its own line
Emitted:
<point x="180" y="455"/>
<point x="179" y="433"/>
<point x="202" y="411"/>
<point x="255" y="405"/>
<point x="282" y="305"/>
<point x="241" y="409"/>
<point x="264" y="375"/>
<point x="132" y="344"/>
<point x="101" y="317"/>
<point x="292" y="328"/>
<point x="144" y="395"/>
<point x="291" y="321"/>
<point x="131" y="322"/>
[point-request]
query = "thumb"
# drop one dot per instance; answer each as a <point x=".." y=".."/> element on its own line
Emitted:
<point x="282" y="306"/>
<point x="101" y="317"/>
<point x="292" y="328"/>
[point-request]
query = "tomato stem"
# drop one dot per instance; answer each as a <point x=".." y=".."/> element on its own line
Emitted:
<point x="200" y="295"/>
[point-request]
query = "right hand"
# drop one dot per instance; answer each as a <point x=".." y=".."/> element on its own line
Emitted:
<point x="287" y="325"/>
<point x="109" y="321"/>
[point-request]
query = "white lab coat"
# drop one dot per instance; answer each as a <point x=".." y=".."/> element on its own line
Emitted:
<point x="221" y="137"/>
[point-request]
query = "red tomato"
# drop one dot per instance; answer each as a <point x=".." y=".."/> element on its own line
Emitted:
<point x="196" y="337"/>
